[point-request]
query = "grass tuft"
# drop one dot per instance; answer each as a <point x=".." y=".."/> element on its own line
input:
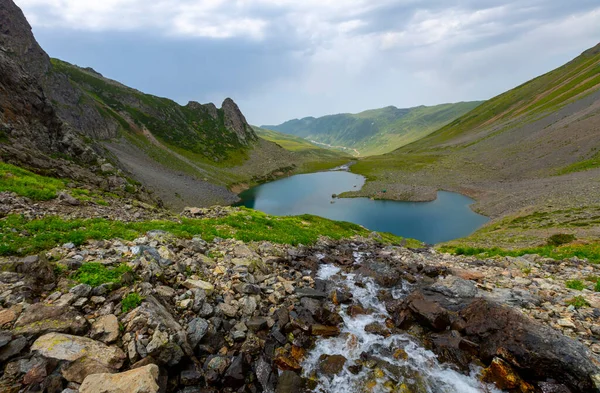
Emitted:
<point x="131" y="301"/>
<point x="575" y="284"/>
<point x="95" y="274"/>
<point x="578" y="302"/>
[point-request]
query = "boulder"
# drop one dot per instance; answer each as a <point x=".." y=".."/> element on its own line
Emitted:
<point x="71" y="348"/>
<point x="196" y="330"/>
<point x="455" y="287"/>
<point x="331" y="364"/>
<point x="289" y="382"/>
<point x="106" y="329"/>
<point x="139" y="380"/>
<point x="531" y="348"/>
<point x="41" y="318"/>
<point x="78" y="370"/>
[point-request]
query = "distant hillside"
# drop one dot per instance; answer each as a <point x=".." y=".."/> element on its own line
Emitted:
<point x="375" y="131"/>
<point x="535" y="148"/>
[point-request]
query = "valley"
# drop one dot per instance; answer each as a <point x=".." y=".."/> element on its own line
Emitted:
<point x="150" y="246"/>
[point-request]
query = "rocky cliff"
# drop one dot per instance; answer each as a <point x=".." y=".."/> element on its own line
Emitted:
<point x="56" y="118"/>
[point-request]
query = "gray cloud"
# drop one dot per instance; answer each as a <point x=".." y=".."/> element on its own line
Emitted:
<point x="281" y="58"/>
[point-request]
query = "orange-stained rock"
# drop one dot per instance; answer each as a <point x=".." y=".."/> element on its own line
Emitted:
<point x="505" y="377"/>
<point x="285" y="361"/>
<point x="324" y="331"/>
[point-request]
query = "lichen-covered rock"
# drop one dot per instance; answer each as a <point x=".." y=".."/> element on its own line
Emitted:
<point x="71" y="348"/>
<point x="42" y="318"/>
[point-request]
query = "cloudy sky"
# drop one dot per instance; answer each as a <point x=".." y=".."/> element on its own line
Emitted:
<point x="283" y="59"/>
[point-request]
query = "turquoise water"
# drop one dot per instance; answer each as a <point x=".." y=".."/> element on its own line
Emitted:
<point x="448" y="217"/>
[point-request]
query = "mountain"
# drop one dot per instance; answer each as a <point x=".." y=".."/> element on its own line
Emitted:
<point x="375" y="131"/>
<point x="531" y="153"/>
<point x="66" y="121"/>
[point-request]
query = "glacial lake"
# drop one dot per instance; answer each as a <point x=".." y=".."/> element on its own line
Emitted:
<point x="448" y="217"/>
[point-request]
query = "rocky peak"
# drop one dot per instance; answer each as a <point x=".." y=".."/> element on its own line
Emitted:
<point x="236" y="122"/>
<point x="17" y="40"/>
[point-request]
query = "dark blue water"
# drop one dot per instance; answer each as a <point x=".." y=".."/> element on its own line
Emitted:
<point x="448" y="217"/>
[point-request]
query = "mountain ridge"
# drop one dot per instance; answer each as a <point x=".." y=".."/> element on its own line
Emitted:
<point x="375" y="131"/>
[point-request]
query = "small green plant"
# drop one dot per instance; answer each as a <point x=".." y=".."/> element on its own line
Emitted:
<point x="560" y="238"/>
<point x="526" y="271"/>
<point x="131" y="301"/>
<point x="597" y="286"/>
<point x="95" y="274"/>
<point x="578" y="302"/>
<point x="575" y="284"/>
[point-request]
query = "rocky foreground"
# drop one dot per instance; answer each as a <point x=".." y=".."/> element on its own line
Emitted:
<point x="184" y="315"/>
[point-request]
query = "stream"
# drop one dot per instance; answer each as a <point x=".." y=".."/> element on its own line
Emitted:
<point x="397" y="363"/>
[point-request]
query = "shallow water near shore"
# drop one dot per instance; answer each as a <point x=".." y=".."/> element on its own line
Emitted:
<point x="448" y="217"/>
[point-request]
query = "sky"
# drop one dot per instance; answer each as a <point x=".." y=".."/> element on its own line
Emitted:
<point x="285" y="59"/>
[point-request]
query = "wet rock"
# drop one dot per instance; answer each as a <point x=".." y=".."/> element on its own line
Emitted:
<point x="324" y="331"/>
<point x="105" y="329"/>
<point x="42" y="318"/>
<point x="504" y="377"/>
<point x="377" y="328"/>
<point x="70" y="348"/>
<point x="290" y="382"/>
<point x="529" y="346"/>
<point x="383" y="273"/>
<point x="139" y="380"/>
<point x="425" y="311"/>
<point x="310" y="293"/>
<point x="285" y="360"/>
<point x="331" y="364"/>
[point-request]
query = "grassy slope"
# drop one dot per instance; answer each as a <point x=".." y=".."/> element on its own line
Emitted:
<point x="376" y="131"/>
<point x="21" y="236"/>
<point x="187" y="138"/>
<point x="536" y="131"/>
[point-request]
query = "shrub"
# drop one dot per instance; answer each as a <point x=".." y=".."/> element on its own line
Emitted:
<point x="560" y="238"/>
<point x="131" y="301"/>
<point x="578" y="302"/>
<point x="95" y="274"/>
